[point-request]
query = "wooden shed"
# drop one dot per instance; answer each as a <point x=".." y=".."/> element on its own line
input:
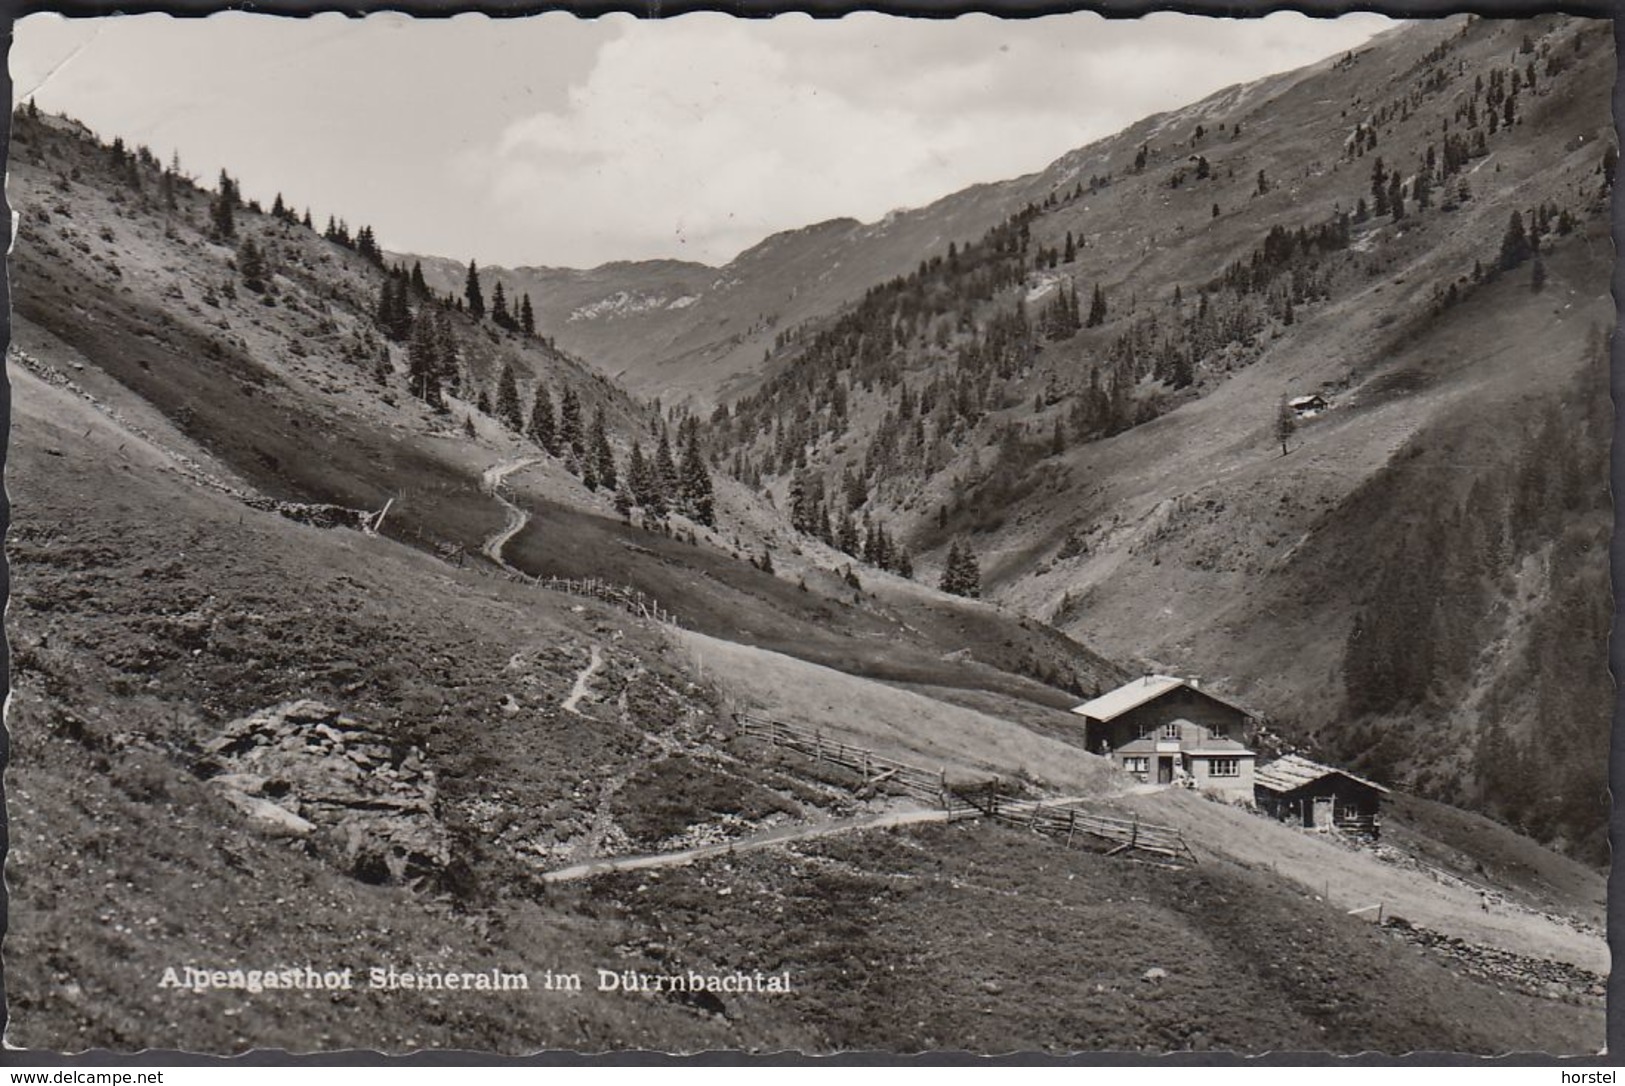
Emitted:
<point x="1320" y="797"/>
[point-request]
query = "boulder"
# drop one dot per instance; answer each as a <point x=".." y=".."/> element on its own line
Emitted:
<point x="267" y="816"/>
<point x="304" y="769"/>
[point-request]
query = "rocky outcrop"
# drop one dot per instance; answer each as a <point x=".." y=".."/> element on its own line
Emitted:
<point x="303" y="769"/>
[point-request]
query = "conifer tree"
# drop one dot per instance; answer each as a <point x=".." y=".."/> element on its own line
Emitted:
<point x="1515" y="248"/>
<point x="420" y="286"/>
<point x="527" y="317"/>
<point x="445" y="348"/>
<point x="471" y="292"/>
<point x="223" y="212"/>
<point x="394" y="316"/>
<point x="645" y="488"/>
<point x="667" y="480"/>
<point x="499" y="307"/>
<point x="543" y="429"/>
<point x="950" y="570"/>
<point x="422" y="369"/>
<point x="1097" y="309"/>
<point x="846" y="535"/>
<point x="507" y="405"/>
<point x="251" y="265"/>
<point x="961" y="575"/>
<point x="367" y="245"/>
<point x="602" y="456"/>
<point x="698" y="496"/>
<point x="970" y="574"/>
<point x="571" y="434"/>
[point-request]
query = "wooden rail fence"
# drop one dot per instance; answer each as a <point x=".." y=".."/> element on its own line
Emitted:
<point x="1061" y="821"/>
<point x="875" y="768"/>
<point x="625" y="596"/>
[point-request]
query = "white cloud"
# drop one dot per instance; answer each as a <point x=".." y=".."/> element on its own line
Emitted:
<point x="697" y="132"/>
<point x="697" y="136"/>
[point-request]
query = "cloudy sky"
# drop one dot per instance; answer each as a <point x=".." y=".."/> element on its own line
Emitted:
<point x="559" y="141"/>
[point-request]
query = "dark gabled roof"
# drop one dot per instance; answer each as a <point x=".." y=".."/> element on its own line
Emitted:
<point x="1291" y="772"/>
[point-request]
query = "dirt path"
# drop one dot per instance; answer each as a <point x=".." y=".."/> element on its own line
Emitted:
<point x="580" y="690"/>
<point x="750" y="843"/>
<point x="768" y="838"/>
<point x="491" y="483"/>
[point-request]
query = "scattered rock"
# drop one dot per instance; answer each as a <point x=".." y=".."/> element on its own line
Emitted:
<point x="1154" y="974"/>
<point x="1535" y="976"/>
<point x="305" y="769"/>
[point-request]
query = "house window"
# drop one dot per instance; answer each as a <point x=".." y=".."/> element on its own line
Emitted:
<point x="1224" y="767"/>
<point x="1170" y="731"/>
<point x="1137" y="765"/>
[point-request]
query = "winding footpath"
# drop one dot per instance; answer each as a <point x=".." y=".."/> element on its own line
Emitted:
<point x="491" y="483"/>
<point x="581" y="689"/>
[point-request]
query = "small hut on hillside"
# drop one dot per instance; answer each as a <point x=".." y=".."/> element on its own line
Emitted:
<point x="1307" y="407"/>
<point x="1319" y="797"/>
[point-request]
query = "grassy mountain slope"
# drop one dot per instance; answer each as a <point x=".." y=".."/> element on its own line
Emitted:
<point x="1345" y="230"/>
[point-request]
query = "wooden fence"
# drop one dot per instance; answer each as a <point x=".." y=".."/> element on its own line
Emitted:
<point x="1123" y="834"/>
<point x="875" y="768"/>
<point x="625" y="596"/>
<point x="984" y="800"/>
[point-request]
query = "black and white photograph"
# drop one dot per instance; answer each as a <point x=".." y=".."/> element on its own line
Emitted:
<point x="1063" y="535"/>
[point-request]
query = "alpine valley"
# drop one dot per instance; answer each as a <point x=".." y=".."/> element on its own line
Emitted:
<point x="389" y="610"/>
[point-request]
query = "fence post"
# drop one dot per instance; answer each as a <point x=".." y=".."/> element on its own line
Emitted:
<point x="818" y="748"/>
<point x="1134" y="833"/>
<point x="1071" y="826"/>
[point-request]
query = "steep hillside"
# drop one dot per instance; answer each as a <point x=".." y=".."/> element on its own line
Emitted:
<point x="123" y="261"/>
<point x="122" y="267"/>
<point x="1089" y="399"/>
